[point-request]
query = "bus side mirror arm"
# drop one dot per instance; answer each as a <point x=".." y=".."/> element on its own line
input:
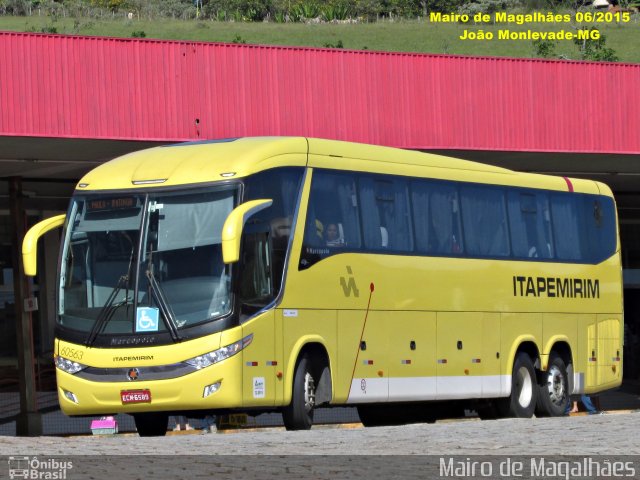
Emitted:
<point x="233" y="225"/>
<point x="30" y="242"/>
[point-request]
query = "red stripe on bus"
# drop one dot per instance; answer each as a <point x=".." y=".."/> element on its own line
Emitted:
<point x="569" y="184"/>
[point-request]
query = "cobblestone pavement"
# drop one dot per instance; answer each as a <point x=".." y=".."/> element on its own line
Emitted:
<point x="611" y="434"/>
<point x="349" y="452"/>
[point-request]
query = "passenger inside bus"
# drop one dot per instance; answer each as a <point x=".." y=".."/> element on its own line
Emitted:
<point x="333" y="236"/>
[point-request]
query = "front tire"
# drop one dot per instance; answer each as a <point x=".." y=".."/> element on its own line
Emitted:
<point x="151" y="424"/>
<point x="553" y="392"/>
<point x="524" y="389"/>
<point x="298" y="415"/>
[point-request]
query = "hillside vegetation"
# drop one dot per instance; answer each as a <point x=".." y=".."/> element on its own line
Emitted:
<point x="406" y="30"/>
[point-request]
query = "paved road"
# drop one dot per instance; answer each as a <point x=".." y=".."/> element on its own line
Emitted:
<point x="377" y="448"/>
<point x="597" y="434"/>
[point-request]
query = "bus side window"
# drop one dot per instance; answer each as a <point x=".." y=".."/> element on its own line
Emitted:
<point x="256" y="286"/>
<point x="385" y="213"/>
<point x="598" y="217"/>
<point x="445" y="220"/>
<point x="565" y="220"/>
<point x="421" y="218"/>
<point x="435" y="217"/>
<point x="281" y="185"/>
<point x="529" y="224"/>
<point x="484" y="218"/>
<point x="332" y="205"/>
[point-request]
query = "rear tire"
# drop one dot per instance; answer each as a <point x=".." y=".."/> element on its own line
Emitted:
<point x="553" y="391"/>
<point x="524" y="390"/>
<point x="298" y="415"/>
<point x="151" y="424"/>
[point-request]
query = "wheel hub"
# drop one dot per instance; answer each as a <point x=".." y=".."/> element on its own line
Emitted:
<point x="556" y="386"/>
<point x="526" y="387"/>
<point x="309" y="392"/>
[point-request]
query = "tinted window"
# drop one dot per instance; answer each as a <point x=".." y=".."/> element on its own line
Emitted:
<point x="565" y="214"/>
<point x="600" y="225"/>
<point x="484" y="221"/>
<point x="385" y="213"/>
<point x="349" y="211"/>
<point x="282" y="185"/>
<point x="436" y="218"/>
<point x="332" y="224"/>
<point x="530" y="224"/>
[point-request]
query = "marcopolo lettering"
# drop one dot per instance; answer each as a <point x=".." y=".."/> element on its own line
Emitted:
<point x="555" y="287"/>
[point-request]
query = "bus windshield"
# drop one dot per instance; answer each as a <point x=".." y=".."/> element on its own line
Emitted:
<point x="145" y="263"/>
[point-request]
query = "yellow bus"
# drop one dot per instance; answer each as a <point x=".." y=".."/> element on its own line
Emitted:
<point x="287" y="273"/>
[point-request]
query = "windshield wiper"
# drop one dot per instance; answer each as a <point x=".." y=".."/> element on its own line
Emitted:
<point x="108" y="309"/>
<point x="163" y="305"/>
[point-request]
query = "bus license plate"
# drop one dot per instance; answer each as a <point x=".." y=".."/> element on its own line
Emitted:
<point x="135" y="396"/>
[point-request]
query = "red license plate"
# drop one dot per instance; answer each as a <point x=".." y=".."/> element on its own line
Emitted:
<point x="135" y="396"/>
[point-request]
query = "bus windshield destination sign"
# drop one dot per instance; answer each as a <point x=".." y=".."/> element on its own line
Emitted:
<point x="111" y="203"/>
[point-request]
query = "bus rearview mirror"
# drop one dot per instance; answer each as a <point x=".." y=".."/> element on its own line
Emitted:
<point x="233" y="225"/>
<point x="30" y="242"/>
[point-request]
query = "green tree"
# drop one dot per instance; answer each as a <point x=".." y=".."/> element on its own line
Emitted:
<point x="243" y="10"/>
<point x="544" y="48"/>
<point x="442" y="5"/>
<point x="113" y="5"/>
<point x="594" y="47"/>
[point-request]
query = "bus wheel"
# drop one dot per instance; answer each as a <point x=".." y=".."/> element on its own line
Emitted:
<point x="151" y="424"/>
<point x="298" y="415"/>
<point x="522" y="401"/>
<point x="553" y="394"/>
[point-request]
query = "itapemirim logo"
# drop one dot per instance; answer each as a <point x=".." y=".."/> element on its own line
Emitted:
<point x="350" y="285"/>
<point x="40" y="469"/>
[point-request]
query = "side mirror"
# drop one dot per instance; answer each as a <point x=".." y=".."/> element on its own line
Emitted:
<point x="30" y="242"/>
<point x="232" y="229"/>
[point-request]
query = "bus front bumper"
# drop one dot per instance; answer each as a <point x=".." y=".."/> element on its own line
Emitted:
<point x="217" y="386"/>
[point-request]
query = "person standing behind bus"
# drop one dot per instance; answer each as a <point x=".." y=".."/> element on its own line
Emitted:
<point x="182" y="423"/>
<point x="588" y="405"/>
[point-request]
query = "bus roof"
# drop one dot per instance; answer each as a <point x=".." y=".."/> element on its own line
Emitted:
<point x="210" y="161"/>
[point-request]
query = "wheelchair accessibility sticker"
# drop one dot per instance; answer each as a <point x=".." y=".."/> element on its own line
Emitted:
<point x="147" y="319"/>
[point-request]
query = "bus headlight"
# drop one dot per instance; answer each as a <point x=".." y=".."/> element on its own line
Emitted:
<point x="68" y="366"/>
<point x="206" y="359"/>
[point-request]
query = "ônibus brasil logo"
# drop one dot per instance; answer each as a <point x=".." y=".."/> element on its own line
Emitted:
<point x="35" y="468"/>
